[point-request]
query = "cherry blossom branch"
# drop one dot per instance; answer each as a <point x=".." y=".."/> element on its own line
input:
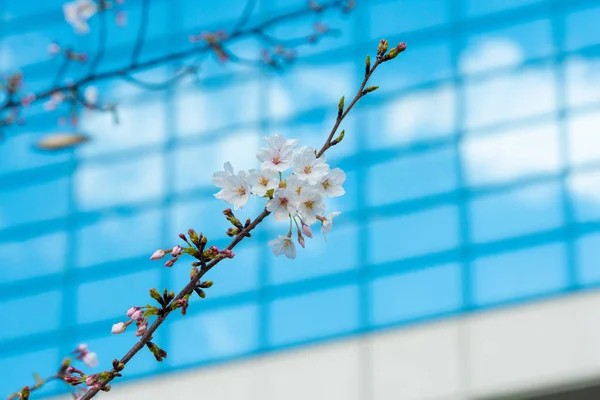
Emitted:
<point x="169" y="301"/>
<point x="282" y="51"/>
<point x="82" y="353"/>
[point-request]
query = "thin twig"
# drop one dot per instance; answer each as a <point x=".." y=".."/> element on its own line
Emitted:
<point x="101" y="44"/>
<point x="245" y="16"/>
<point x="207" y="267"/>
<point x="141" y="35"/>
<point x="11" y="102"/>
<point x="341" y="117"/>
<point x="62" y="70"/>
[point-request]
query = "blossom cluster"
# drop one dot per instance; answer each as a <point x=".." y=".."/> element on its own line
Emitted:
<point x="78" y="12"/>
<point x="298" y="197"/>
<point x="136" y="314"/>
<point x="89" y="358"/>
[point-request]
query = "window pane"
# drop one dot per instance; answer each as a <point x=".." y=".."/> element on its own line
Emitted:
<point x="506" y="97"/>
<point x="583" y="187"/>
<point x="20" y="323"/>
<point x="391" y="17"/>
<point x="412" y="176"/>
<point x="506" y="47"/>
<point x="142" y="122"/>
<point x="407" y="119"/>
<point x="415" y="294"/>
<point x="111" y="298"/>
<point x="582" y="75"/>
<point x="18" y="261"/>
<point x="588" y="259"/>
<point x="122" y="182"/>
<point x="219" y="334"/>
<point x="518" y="274"/>
<point x="584" y="137"/>
<point x="22" y="205"/>
<point x="111" y="238"/>
<point x="17" y="370"/>
<point x="511" y="154"/>
<point x="518" y="212"/>
<point x="304" y="88"/>
<point x="313" y="315"/>
<point x="582" y="27"/>
<point x="195" y="164"/>
<point x="477" y="7"/>
<point x="395" y="238"/>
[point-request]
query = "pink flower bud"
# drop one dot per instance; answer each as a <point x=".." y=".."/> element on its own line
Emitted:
<point x="118" y="328"/>
<point x="141" y="329"/>
<point x="121" y="18"/>
<point x="228" y="253"/>
<point x="301" y="239"/>
<point x="131" y="311"/>
<point x="307" y="231"/>
<point x="91" y="380"/>
<point x="53" y="49"/>
<point x="90" y="359"/>
<point x="157" y="255"/>
<point x="170" y="263"/>
<point x="137" y="315"/>
<point x="82" y="348"/>
<point x="176" y="251"/>
<point x="27" y="100"/>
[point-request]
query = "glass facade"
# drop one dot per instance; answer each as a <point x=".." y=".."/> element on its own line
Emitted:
<point x="473" y="178"/>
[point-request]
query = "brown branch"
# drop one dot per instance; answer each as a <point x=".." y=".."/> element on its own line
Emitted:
<point x="35" y="387"/>
<point x="189" y="288"/>
<point x="255" y="31"/>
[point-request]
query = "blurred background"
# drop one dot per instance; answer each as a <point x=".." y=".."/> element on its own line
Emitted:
<point x="464" y="264"/>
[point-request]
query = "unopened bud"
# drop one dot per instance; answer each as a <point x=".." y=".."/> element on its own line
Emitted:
<point x="368" y="65"/>
<point x="339" y="138"/>
<point x="25" y="392"/>
<point x="395" y="51"/>
<point x="300" y="239"/>
<point x="370" y="89"/>
<point x="341" y="107"/>
<point x="155" y="295"/>
<point x="157" y="255"/>
<point x="231" y="232"/>
<point x="382" y="47"/>
<point x="200" y="292"/>
<point x="193" y="236"/>
<point x="306" y="229"/>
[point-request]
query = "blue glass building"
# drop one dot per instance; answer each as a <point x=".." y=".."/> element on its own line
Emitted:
<point x="473" y="178"/>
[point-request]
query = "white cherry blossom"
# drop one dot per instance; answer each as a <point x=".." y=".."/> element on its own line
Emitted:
<point x="331" y="183"/>
<point x="295" y="184"/>
<point x="307" y="167"/>
<point x="283" y="203"/>
<point x="279" y="142"/>
<point x="78" y="12"/>
<point x="219" y="177"/>
<point x="327" y="223"/>
<point x="278" y="155"/>
<point x="262" y="181"/>
<point x="234" y="188"/>
<point x="310" y="205"/>
<point x="283" y="245"/>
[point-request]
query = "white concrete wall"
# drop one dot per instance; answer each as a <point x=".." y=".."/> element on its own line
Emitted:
<point x="520" y="349"/>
